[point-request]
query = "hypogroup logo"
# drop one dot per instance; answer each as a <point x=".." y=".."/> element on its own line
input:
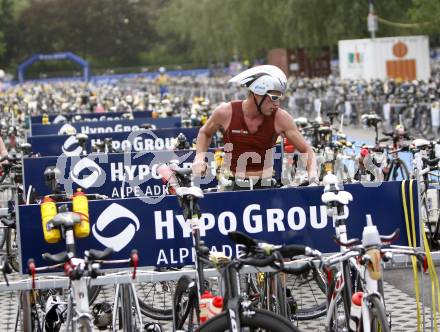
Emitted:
<point x="113" y="214"/>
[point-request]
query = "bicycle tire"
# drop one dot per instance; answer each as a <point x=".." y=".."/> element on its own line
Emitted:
<point x="93" y="292"/>
<point x="2" y="237"/>
<point x="399" y="165"/>
<point x="149" y="304"/>
<point x="12" y="249"/>
<point x="378" y="316"/>
<point x="257" y="319"/>
<point x="434" y="236"/>
<point x="319" y="309"/>
<point x="184" y="304"/>
<point x="84" y="325"/>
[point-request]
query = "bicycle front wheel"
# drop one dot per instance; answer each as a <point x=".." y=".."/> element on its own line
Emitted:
<point x="258" y="319"/>
<point x="84" y="325"/>
<point x="379" y="321"/>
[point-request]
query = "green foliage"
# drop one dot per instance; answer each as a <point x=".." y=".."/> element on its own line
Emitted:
<point x="427" y="14"/>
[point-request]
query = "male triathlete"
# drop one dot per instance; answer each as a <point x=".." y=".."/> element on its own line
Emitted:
<point x="251" y="128"/>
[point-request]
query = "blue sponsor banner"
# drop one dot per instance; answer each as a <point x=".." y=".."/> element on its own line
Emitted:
<point x="148" y="140"/>
<point x="93" y="116"/>
<point x="106" y="126"/>
<point x="117" y="175"/>
<point x="162" y="236"/>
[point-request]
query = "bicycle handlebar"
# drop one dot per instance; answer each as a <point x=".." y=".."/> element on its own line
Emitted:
<point x="76" y="268"/>
<point x="291" y="250"/>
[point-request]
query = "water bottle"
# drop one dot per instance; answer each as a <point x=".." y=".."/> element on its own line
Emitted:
<point x="80" y="205"/>
<point x="215" y="306"/>
<point x="355" y="310"/>
<point x="45" y="119"/>
<point x="205" y="300"/>
<point x="370" y="235"/>
<point x="48" y="212"/>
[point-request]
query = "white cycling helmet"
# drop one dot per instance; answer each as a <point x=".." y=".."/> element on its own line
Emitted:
<point x="262" y="79"/>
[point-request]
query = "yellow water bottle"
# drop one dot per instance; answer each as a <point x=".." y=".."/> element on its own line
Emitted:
<point x="45" y="119"/>
<point x="81" y="206"/>
<point x="48" y="212"/>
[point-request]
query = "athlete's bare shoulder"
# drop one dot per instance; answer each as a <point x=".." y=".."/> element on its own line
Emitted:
<point x="283" y="121"/>
<point x="222" y="114"/>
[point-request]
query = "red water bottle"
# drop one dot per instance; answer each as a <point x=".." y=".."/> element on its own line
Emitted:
<point x="205" y="301"/>
<point x="355" y="310"/>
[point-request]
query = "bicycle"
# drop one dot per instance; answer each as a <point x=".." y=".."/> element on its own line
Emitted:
<point x="76" y="269"/>
<point x="365" y="271"/>
<point x="425" y="163"/>
<point x="239" y="312"/>
<point x="367" y="305"/>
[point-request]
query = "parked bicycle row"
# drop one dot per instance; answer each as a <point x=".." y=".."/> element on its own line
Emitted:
<point x="74" y="212"/>
<point x="413" y="104"/>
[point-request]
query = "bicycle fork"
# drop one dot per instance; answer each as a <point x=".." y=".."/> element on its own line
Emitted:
<point x="79" y="305"/>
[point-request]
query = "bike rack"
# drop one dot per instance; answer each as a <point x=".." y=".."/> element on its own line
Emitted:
<point x="46" y="282"/>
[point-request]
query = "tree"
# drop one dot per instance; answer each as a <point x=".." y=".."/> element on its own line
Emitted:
<point x="7" y="25"/>
<point x="426" y="13"/>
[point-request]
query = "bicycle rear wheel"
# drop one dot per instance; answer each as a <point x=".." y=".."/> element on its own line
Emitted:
<point x="309" y="292"/>
<point x="185" y="302"/>
<point x="155" y="299"/>
<point x="257" y="320"/>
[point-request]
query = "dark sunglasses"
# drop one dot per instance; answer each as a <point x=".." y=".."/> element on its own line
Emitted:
<point x="274" y="97"/>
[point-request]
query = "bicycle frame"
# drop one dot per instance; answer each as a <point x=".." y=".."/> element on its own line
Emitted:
<point x="343" y="281"/>
<point x="370" y="288"/>
<point x="78" y="305"/>
<point x="234" y="302"/>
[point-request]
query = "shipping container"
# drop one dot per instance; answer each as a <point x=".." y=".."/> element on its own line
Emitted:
<point x="298" y="63"/>
<point x="399" y="58"/>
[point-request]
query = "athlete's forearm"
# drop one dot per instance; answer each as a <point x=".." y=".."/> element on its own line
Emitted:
<point x="311" y="164"/>
<point x="3" y="151"/>
<point x="202" y="144"/>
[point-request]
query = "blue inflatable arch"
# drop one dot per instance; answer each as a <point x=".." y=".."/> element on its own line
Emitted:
<point x="54" y="56"/>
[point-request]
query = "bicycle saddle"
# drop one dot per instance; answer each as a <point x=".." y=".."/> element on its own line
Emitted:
<point x="342" y="197"/>
<point x="189" y="191"/>
<point x="65" y="219"/>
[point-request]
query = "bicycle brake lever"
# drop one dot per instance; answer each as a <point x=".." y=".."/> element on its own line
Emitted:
<point x="387" y="239"/>
<point x="349" y="243"/>
<point x="134" y="261"/>
<point x="32" y="271"/>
